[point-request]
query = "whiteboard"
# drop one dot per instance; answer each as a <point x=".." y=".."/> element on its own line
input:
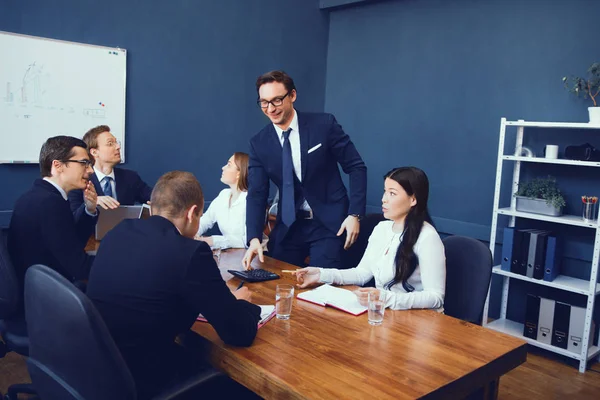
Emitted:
<point x="52" y="87"/>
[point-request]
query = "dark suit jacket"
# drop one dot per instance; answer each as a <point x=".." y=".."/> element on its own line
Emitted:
<point x="149" y="283"/>
<point x="322" y="183"/>
<point x="43" y="230"/>
<point x="130" y="189"/>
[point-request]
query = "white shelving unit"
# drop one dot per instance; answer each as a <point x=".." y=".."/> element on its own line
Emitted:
<point x="582" y="287"/>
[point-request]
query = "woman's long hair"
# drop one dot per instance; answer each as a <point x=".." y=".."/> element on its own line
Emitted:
<point x="414" y="181"/>
<point x="241" y="162"/>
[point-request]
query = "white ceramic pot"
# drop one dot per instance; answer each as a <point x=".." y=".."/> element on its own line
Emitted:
<point x="594" y="115"/>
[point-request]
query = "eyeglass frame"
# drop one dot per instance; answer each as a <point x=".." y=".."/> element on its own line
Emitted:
<point x="259" y="101"/>
<point x="113" y="144"/>
<point x="85" y="163"/>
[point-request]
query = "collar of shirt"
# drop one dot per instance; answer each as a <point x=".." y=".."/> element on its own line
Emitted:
<point x="293" y="125"/>
<point x="101" y="176"/>
<point x="61" y="190"/>
<point x="240" y="200"/>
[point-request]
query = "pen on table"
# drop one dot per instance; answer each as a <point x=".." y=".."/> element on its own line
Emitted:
<point x="240" y="286"/>
<point x="289" y="271"/>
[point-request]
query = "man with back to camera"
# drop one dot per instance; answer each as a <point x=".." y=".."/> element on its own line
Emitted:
<point x="151" y="279"/>
<point x="43" y="230"/>
<point x="300" y="152"/>
<point x="115" y="186"/>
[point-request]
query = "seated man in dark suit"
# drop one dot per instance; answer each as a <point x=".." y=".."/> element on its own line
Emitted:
<point x="151" y="279"/>
<point x="43" y="230"/>
<point x="115" y="186"/>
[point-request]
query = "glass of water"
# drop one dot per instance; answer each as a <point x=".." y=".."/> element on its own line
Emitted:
<point x="376" y="307"/>
<point x="284" y="294"/>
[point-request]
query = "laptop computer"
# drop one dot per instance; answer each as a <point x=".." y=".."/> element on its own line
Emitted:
<point x="108" y="219"/>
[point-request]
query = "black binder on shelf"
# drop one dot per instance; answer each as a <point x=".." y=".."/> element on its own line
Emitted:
<point x="534" y="236"/>
<point x="519" y="265"/>
<point x="560" y="328"/>
<point x="540" y="256"/>
<point x="532" y="312"/>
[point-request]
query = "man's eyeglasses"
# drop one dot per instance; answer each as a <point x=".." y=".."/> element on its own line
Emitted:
<point x="85" y="163"/>
<point x="112" y="143"/>
<point x="276" y="102"/>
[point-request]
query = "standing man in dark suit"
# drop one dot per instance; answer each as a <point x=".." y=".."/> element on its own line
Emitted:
<point x="300" y="153"/>
<point x="151" y="279"/>
<point x="43" y="230"/>
<point x="115" y="186"/>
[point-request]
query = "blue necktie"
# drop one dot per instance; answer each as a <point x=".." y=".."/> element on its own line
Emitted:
<point x="107" y="187"/>
<point x="288" y="207"/>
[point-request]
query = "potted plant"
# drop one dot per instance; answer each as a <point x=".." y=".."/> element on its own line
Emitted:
<point x="588" y="86"/>
<point x="540" y="196"/>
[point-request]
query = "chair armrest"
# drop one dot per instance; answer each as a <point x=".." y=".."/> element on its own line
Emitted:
<point x="194" y="382"/>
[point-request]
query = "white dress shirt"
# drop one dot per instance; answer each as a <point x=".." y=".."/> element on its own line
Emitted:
<point x="295" y="145"/>
<point x="428" y="279"/>
<point x="230" y="218"/>
<point x="113" y="183"/>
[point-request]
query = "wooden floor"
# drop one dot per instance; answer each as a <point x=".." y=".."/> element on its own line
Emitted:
<point x="543" y="376"/>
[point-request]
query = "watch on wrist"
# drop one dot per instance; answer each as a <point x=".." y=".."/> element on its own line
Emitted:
<point x="357" y="216"/>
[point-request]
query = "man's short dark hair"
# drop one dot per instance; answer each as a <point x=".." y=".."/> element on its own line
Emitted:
<point x="57" y="148"/>
<point x="174" y="194"/>
<point x="276" y="76"/>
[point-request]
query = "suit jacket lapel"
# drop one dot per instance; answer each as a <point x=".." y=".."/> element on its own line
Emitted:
<point x="274" y="151"/>
<point x="304" y="140"/>
<point x="97" y="185"/>
<point x="118" y="187"/>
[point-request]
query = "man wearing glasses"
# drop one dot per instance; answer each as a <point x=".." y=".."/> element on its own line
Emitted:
<point x="43" y="230"/>
<point x="115" y="186"/>
<point x="300" y="152"/>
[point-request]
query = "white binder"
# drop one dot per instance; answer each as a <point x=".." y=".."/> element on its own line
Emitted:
<point x="545" y="321"/>
<point x="576" y="326"/>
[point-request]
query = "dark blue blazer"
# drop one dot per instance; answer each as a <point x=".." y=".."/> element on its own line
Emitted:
<point x="149" y="283"/>
<point x="130" y="189"/>
<point x="322" y="183"/>
<point x="43" y="230"/>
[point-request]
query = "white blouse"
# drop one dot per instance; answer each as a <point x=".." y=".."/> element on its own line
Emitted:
<point x="428" y="279"/>
<point x="230" y="218"/>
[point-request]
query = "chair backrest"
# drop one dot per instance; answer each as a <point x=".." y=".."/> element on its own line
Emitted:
<point x="71" y="352"/>
<point x="352" y="256"/>
<point x="468" y="274"/>
<point x="9" y="285"/>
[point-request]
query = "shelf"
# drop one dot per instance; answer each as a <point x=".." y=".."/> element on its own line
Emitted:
<point x="563" y="219"/>
<point x="566" y="125"/>
<point x="516" y="329"/>
<point x="561" y="161"/>
<point x="561" y="282"/>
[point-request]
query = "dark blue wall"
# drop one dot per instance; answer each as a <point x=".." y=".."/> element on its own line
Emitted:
<point x="191" y="71"/>
<point x="426" y="82"/>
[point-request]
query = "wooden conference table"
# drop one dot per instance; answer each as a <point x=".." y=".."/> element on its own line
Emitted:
<point x="323" y="353"/>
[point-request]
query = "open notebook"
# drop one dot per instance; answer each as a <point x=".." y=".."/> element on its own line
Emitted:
<point x="266" y="313"/>
<point x="327" y="295"/>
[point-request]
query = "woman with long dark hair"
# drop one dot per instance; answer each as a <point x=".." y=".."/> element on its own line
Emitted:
<point x="228" y="210"/>
<point x="405" y="255"/>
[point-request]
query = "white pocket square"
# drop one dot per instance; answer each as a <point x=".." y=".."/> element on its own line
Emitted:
<point x="314" y="148"/>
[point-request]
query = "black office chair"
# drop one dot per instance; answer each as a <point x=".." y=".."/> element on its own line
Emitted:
<point x="12" y="321"/>
<point x="71" y="353"/>
<point x="468" y="274"/>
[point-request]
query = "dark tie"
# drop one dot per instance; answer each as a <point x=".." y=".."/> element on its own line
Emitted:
<point x="107" y="187"/>
<point x="288" y="208"/>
